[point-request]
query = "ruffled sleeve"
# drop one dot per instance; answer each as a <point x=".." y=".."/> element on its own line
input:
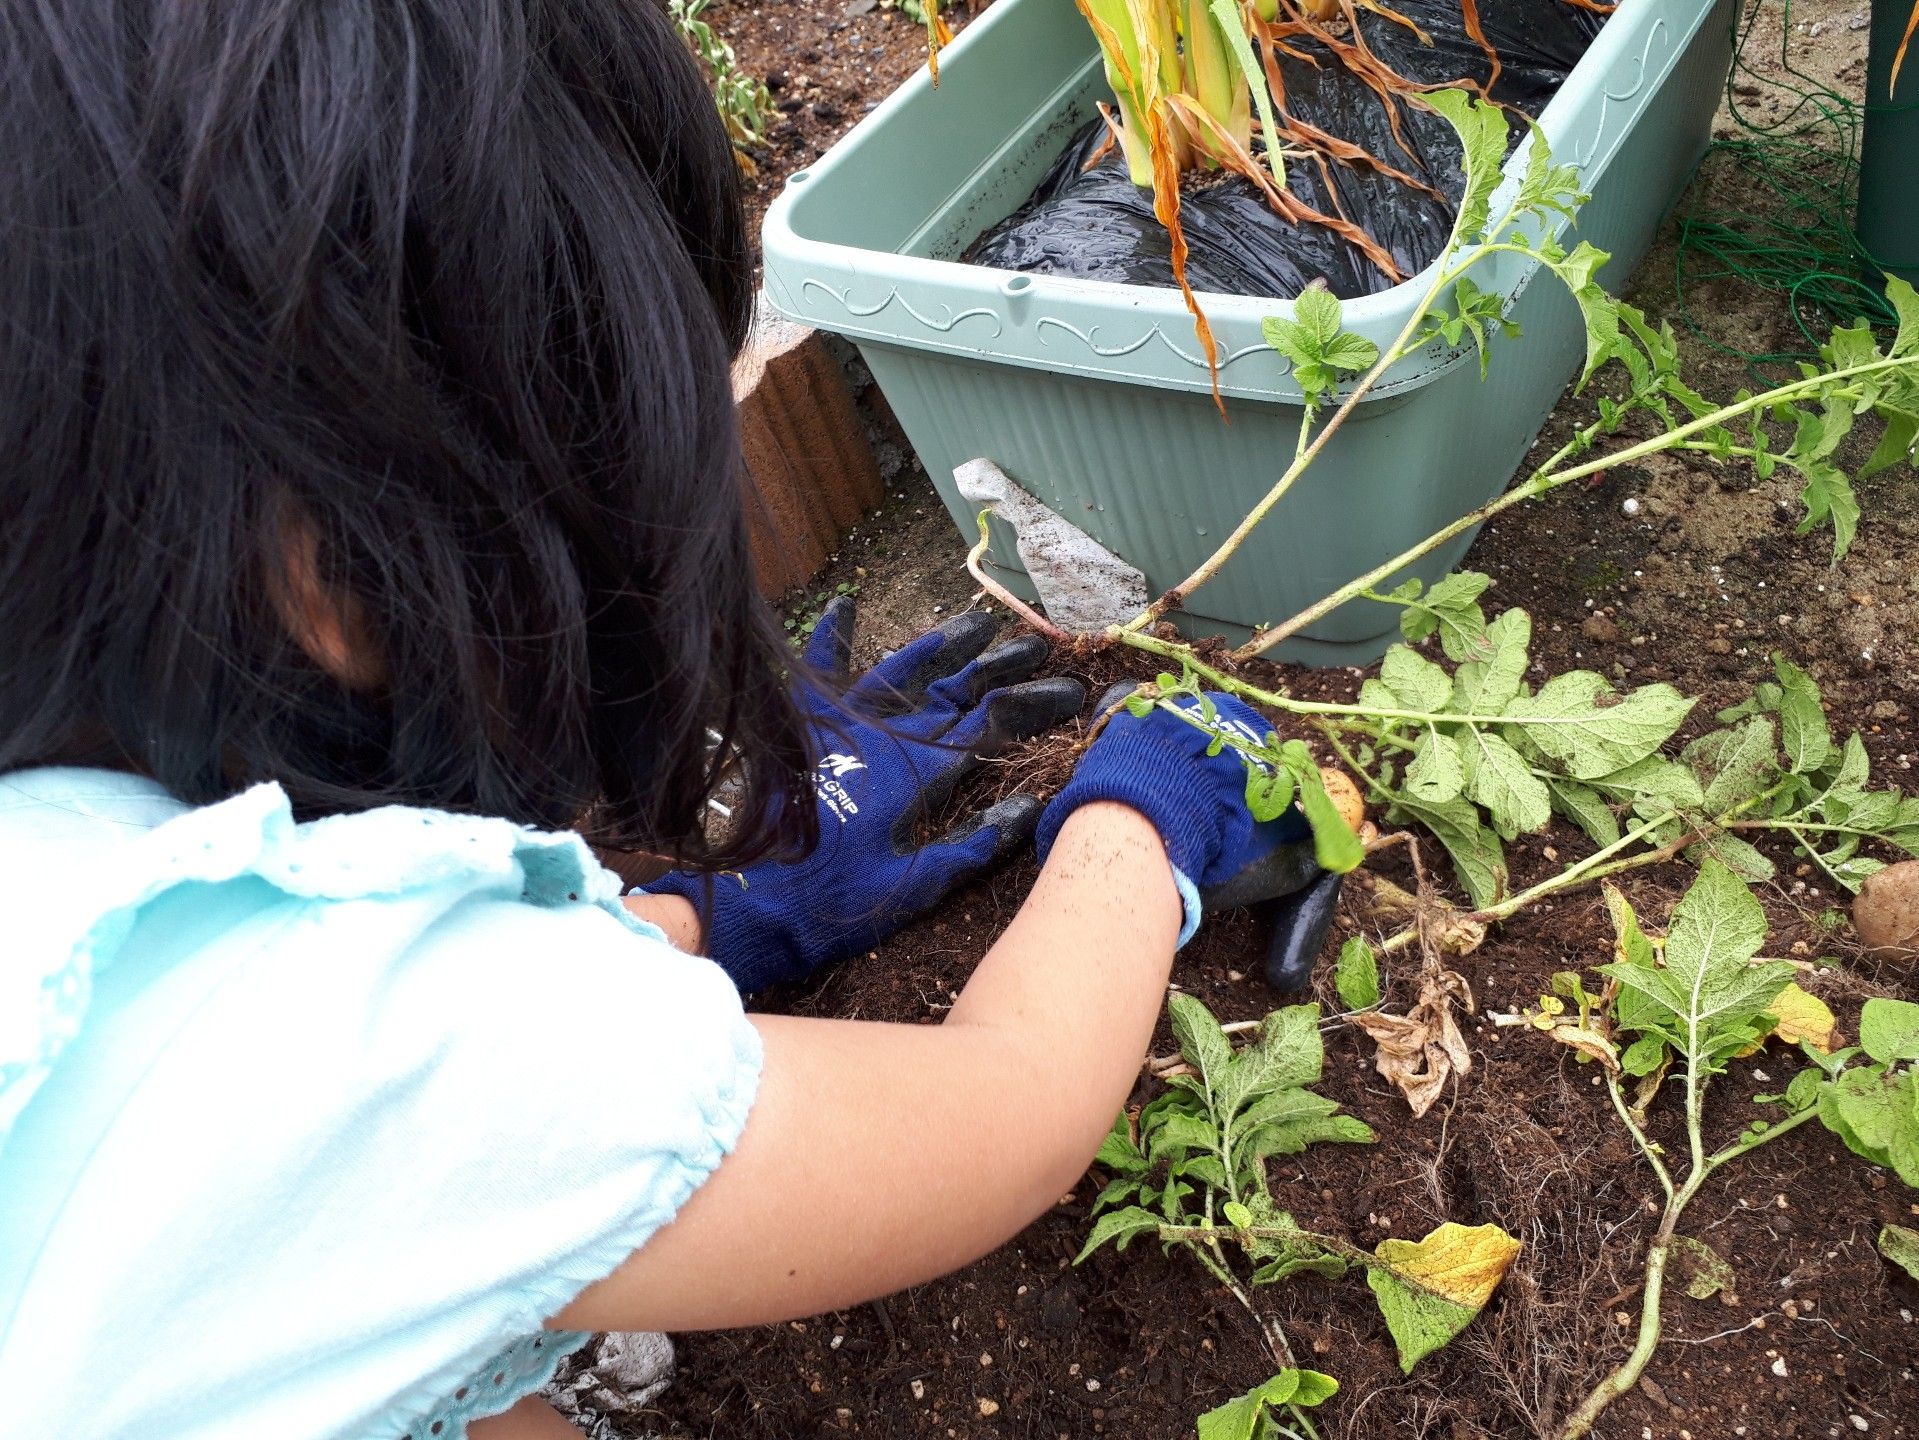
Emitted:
<point x="328" y="1115"/>
<point x="136" y="844"/>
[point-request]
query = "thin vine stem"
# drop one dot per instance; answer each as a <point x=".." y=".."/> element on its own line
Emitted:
<point x="1545" y="480"/>
<point x="1308" y="451"/>
<point x="1279" y="700"/>
<point x="976" y="567"/>
<point x="1565" y="880"/>
<point x="1640" y="1138"/>
<point x="1753" y="1139"/>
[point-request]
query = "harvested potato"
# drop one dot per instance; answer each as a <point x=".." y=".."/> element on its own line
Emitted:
<point x="1886" y="911"/>
<point x="1344" y="794"/>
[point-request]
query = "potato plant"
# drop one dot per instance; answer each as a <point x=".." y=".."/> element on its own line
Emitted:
<point x="1674" y="1012"/>
<point x="1466" y="750"/>
<point x="1466" y="746"/>
<point x="742" y="100"/>
<point x="1190" y="1171"/>
<point x="1457" y="739"/>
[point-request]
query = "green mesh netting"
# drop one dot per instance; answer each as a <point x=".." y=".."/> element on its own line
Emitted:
<point x="1796" y="239"/>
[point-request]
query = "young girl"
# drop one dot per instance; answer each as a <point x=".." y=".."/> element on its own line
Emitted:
<point x="371" y="534"/>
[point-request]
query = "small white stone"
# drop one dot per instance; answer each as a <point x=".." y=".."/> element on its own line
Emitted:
<point x="1631" y="505"/>
<point x="1779" y="1366"/>
<point x="1858" y="1422"/>
<point x="1092" y="1384"/>
<point x="919" y="1389"/>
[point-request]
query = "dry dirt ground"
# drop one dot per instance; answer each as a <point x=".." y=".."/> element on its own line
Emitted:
<point x="1695" y="584"/>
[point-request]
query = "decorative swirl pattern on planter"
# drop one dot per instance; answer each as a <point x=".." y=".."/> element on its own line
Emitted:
<point x="1599" y="130"/>
<point x="893" y="298"/>
<point x="1090" y="339"/>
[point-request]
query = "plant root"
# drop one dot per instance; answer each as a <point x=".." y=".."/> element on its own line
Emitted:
<point x="1542" y="1187"/>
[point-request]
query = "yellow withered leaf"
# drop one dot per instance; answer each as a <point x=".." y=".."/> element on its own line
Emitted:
<point x="1587" y="1042"/>
<point x="1460" y="1263"/>
<point x="1802" y="1016"/>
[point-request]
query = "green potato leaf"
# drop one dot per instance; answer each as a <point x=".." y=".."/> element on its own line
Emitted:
<point x="1802" y="719"/>
<point x="1578" y="720"/>
<point x="1900" y="1245"/>
<point x="1499" y="779"/>
<point x="1356" y="976"/>
<point x="1889" y="1030"/>
<point x="1709" y="996"/>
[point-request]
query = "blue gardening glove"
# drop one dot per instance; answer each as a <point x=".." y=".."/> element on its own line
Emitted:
<point x="890" y="753"/>
<point x="1158" y="765"/>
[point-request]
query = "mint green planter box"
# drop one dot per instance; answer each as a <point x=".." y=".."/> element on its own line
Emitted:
<point x="1094" y="395"/>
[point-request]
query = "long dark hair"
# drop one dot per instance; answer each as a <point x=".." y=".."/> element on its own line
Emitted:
<point x="450" y="288"/>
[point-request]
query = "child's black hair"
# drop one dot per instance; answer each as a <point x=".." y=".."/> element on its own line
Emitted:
<point x="445" y="291"/>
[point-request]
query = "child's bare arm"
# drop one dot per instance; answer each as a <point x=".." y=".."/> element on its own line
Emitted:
<point x="677" y="919"/>
<point x="531" y="1419"/>
<point x="880" y="1156"/>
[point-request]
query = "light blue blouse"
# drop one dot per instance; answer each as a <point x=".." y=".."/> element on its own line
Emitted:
<point x="306" y="1129"/>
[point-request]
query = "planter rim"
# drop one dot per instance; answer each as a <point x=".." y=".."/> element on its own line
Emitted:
<point x="1032" y="320"/>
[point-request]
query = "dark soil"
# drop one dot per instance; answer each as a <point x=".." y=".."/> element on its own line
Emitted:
<point x="1697" y="587"/>
<point x="827" y="63"/>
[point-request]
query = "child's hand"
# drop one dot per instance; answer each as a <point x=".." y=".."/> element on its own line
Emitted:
<point x="908" y="730"/>
<point x="1158" y="765"/>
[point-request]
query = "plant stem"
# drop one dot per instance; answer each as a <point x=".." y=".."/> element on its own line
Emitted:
<point x="1303" y="457"/>
<point x="1593" y="867"/>
<point x="1640" y="1138"/>
<point x="1344" y="1249"/>
<point x="1545" y="480"/>
<point x="1012" y="602"/>
<point x="1203" y="1241"/>
<point x="1403" y="344"/>
<point x="1622" y="1379"/>
<point x="1753" y="1139"/>
<point x="1278" y="700"/>
<point x="1586" y="871"/>
<point x="1633" y="1366"/>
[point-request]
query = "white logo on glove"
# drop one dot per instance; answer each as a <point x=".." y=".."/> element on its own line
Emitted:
<point x="826" y="784"/>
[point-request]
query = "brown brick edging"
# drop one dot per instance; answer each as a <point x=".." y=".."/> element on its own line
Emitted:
<point x="810" y="470"/>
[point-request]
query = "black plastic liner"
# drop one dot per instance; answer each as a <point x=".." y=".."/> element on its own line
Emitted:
<point x="1097" y="225"/>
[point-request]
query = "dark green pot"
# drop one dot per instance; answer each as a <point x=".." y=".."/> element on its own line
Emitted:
<point x="1889" y="158"/>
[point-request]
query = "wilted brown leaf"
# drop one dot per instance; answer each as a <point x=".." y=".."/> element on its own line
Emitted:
<point x="1423" y="1049"/>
